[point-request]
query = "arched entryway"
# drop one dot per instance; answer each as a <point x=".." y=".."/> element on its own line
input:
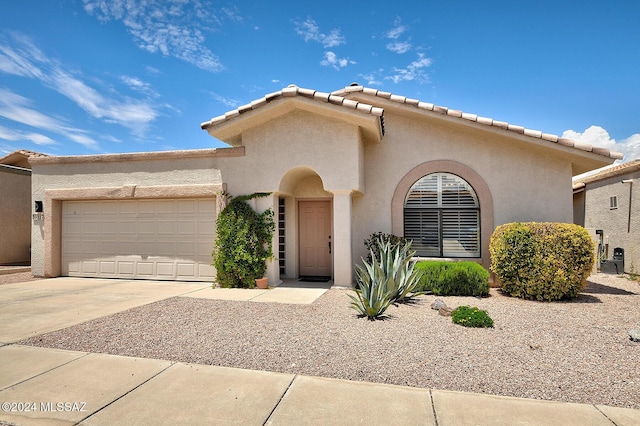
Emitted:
<point x="305" y="225"/>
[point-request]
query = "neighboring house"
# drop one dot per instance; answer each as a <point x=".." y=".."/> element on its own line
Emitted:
<point x="609" y="201"/>
<point x="15" y="208"/>
<point x="339" y="166"/>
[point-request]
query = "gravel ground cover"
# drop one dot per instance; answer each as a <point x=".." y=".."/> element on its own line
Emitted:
<point x="576" y="351"/>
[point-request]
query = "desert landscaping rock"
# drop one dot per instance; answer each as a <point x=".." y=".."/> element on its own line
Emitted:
<point x="634" y="335"/>
<point x="445" y="311"/>
<point x="438" y="304"/>
<point x="582" y="351"/>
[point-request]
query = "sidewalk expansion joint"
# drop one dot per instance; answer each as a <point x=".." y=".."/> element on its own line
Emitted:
<point x="44" y="372"/>
<point x="286" y="391"/>
<point x="433" y="408"/>
<point x="126" y="393"/>
<point x="605" y="416"/>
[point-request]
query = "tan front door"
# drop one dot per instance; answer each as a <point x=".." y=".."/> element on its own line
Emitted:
<point x="315" y="238"/>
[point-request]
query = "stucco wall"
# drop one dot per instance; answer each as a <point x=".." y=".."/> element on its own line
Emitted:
<point x="329" y="147"/>
<point x="88" y="176"/>
<point x="617" y="230"/>
<point x="526" y="184"/>
<point x="15" y="215"/>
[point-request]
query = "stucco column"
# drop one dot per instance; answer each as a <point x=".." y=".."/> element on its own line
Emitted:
<point x="342" y="258"/>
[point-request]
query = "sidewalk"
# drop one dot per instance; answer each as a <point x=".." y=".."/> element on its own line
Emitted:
<point x="42" y="386"/>
<point x="65" y="387"/>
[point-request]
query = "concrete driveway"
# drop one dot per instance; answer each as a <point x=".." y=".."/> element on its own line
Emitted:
<point x="36" y="307"/>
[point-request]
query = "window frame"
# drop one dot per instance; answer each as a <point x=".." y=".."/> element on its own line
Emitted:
<point x="439" y="210"/>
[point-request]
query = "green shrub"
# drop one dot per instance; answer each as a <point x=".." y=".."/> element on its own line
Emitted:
<point x="375" y="240"/>
<point x="541" y="261"/>
<point x="453" y="278"/>
<point x="471" y="317"/>
<point x="389" y="278"/>
<point x="243" y="243"/>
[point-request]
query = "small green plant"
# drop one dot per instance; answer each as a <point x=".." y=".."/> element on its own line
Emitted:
<point x="541" y="261"/>
<point x="633" y="274"/>
<point x="444" y="278"/>
<point x="390" y="277"/>
<point x="471" y="317"/>
<point x="243" y="242"/>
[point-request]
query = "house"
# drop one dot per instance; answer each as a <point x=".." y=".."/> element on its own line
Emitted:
<point x="15" y="208"/>
<point x="339" y="166"/>
<point x="609" y="202"/>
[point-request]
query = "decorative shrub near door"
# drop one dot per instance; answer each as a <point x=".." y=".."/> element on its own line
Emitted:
<point x="243" y="242"/>
<point x="541" y="261"/>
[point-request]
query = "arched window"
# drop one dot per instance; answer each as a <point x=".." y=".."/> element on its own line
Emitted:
<point x="442" y="217"/>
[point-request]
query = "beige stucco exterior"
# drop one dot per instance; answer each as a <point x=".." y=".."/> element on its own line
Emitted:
<point x="15" y="215"/>
<point x="360" y="152"/>
<point x="179" y="174"/>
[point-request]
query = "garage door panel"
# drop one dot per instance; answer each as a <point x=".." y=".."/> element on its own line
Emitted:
<point x="189" y="207"/>
<point x="125" y="268"/>
<point x="206" y="207"/>
<point x="187" y="248"/>
<point x="166" y="227"/>
<point x="166" y="249"/>
<point x="186" y="227"/>
<point x="108" y="267"/>
<point x="154" y="239"/>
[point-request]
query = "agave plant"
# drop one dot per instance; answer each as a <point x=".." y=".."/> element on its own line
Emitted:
<point x="372" y="295"/>
<point x="399" y="269"/>
<point x="390" y="277"/>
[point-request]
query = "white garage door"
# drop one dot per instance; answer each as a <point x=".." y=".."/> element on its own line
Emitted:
<point x="142" y="239"/>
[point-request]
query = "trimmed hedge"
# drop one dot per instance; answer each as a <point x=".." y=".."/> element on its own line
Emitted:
<point x="541" y="261"/>
<point x="453" y="278"/>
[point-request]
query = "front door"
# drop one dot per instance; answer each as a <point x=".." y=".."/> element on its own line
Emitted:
<point x="315" y="238"/>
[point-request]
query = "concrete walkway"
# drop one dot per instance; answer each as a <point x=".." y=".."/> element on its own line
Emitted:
<point x="44" y="386"/>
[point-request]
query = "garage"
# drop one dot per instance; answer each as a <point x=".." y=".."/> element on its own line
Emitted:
<point x="155" y="239"/>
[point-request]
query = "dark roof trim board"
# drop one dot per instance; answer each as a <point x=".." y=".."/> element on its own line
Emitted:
<point x="341" y="98"/>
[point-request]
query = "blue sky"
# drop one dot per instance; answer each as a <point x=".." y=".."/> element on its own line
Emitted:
<point x="90" y="76"/>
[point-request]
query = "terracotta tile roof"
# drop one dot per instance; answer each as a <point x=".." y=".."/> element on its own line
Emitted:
<point x="290" y="91"/>
<point x="356" y="88"/>
<point x="605" y="173"/>
<point x="20" y="157"/>
<point x="341" y="97"/>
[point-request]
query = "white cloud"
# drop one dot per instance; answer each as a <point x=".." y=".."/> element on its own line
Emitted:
<point x="310" y="31"/>
<point x="399" y="47"/>
<point x="24" y="59"/>
<point x="232" y="103"/>
<point x="16" y="59"/>
<point x="597" y="136"/>
<point x="415" y="71"/>
<point x="172" y="27"/>
<point x="371" y="79"/>
<point x="17" y="108"/>
<point x="332" y="60"/>
<point x="17" y="135"/>
<point x="397" y="30"/>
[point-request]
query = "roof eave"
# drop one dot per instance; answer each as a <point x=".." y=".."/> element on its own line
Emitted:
<point x="230" y="127"/>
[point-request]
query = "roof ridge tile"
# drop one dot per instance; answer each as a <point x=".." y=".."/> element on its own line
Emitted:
<point x="339" y="97"/>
